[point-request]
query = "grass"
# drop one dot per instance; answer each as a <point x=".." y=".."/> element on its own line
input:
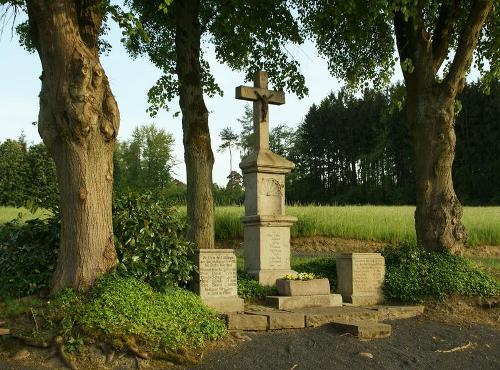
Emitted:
<point x="377" y="223"/>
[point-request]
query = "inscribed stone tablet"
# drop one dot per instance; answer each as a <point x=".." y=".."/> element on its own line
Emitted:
<point x="217" y="273"/>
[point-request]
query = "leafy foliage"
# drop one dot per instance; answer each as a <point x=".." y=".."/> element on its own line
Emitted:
<point x="28" y="254"/>
<point x="322" y="267"/>
<point x="145" y="162"/>
<point x="118" y="309"/>
<point x="358" y="41"/>
<point x="251" y="291"/>
<point x="240" y="42"/>
<point x="413" y="274"/>
<point x="149" y="240"/>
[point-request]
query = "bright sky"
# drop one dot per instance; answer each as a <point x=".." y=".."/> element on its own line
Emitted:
<point x="131" y="79"/>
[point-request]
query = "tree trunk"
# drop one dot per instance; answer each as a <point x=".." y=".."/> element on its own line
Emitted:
<point x="78" y="121"/>
<point x="196" y="135"/>
<point x="439" y="212"/>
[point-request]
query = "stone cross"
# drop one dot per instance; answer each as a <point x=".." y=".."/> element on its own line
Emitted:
<point x="261" y="98"/>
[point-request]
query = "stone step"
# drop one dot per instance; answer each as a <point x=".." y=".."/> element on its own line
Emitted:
<point x="298" y="302"/>
<point x="318" y="316"/>
<point x="241" y="321"/>
<point x="364" y="329"/>
<point x="282" y="320"/>
<point x="397" y="312"/>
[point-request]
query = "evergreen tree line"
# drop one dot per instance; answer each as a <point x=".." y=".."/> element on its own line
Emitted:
<point x="357" y="150"/>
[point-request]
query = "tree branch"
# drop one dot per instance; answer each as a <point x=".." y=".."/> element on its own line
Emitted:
<point x="442" y="32"/>
<point x="468" y="38"/>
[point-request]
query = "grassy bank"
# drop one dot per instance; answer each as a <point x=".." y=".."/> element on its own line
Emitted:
<point x="377" y="223"/>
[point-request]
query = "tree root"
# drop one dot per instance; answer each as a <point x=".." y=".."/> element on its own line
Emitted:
<point x="30" y="341"/>
<point x="57" y="342"/>
<point x="132" y="347"/>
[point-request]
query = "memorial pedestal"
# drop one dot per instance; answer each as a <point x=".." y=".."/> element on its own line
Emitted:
<point x="216" y="281"/>
<point x="360" y="278"/>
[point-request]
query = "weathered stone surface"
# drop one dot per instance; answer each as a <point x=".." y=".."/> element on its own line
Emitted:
<point x="282" y="320"/>
<point x="360" y="277"/>
<point x="398" y="312"/>
<point x="364" y="330"/>
<point x="297" y="302"/>
<point x="318" y="316"/>
<point x="303" y="288"/>
<point x="216" y="281"/>
<point x="239" y="321"/>
<point x="266" y="228"/>
<point x="4" y="331"/>
<point x="225" y="304"/>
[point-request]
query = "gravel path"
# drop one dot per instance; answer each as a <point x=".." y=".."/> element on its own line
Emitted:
<point x="414" y="344"/>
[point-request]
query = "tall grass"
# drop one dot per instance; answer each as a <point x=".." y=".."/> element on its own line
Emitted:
<point x="377" y="223"/>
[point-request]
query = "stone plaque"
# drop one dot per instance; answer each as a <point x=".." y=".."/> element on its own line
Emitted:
<point x="216" y="281"/>
<point x="360" y="277"/>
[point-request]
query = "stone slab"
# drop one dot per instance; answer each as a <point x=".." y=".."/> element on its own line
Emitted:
<point x="306" y="287"/>
<point x="238" y="321"/>
<point x="216" y="277"/>
<point x="364" y="330"/>
<point x="398" y="312"/>
<point x="360" y="277"/>
<point x="225" y="304"/>
<point x="363" y="300"/>
<point x="282" y="320"/>
<point x="317" y="316"/>
<point x="297" y="302"/>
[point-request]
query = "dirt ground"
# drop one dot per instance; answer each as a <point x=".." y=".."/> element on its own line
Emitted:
<point x="414" y="344"/>
<point x="320" y="245"/>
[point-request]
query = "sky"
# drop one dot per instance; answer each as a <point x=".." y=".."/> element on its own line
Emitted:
<point x="131" y="79"/>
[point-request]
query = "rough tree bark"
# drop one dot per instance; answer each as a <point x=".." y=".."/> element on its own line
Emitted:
<point x="78" y="121"/>
<point x="431" y="114"/>
<point x="196" y="135"/>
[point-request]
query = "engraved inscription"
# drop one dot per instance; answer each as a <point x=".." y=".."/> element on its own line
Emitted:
<point x="274" y="242"/>
<point x="217" y="275"/>
<point x="368" y="275"/>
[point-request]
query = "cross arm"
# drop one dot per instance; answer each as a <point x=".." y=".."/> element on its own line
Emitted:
<point x="255" y="93"/>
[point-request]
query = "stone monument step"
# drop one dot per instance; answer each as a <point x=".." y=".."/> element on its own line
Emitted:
<point x="281" y="319"/>
<point x="248" y="322"/>
<point x="317" y="316"/>
<point x="364" y="329"/>
<point x="225" y="304"/>
<point x="298" y="302"/>
<point x="397" y="312"/>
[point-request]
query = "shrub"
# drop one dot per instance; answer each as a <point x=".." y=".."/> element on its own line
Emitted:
<point x="150" y="242"/>
<point x="413" y="274"/>
<point x="126" y="306"/>
<point x="250" y="289"/>
<point x="28" y="255"/>
<point x="119" y="309"/>
<point x="149" y="239"/>
<point x="323" y="267"/>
